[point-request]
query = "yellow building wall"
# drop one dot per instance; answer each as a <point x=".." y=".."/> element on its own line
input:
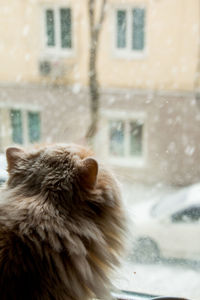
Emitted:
<point x="22" y="37"/>
<point x="169" y="63"/>
<point x="172" y="48"/>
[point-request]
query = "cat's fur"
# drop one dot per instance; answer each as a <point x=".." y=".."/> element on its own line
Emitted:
<point x="61" y="225"/>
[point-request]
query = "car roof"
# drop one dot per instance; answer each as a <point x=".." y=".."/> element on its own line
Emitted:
<point x="178" y="200"/>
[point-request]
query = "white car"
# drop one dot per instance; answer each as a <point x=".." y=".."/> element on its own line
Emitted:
<point x="168" y="228"/>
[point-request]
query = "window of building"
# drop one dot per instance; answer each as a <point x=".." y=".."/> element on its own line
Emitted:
<point x="126" y="138"/>
<point x="17" y="127"/>
<point x="34" y="127"/>
<point x="58" y="29"/>
<point x="130" y="30"/>
<point x="116" y="138"/>
<point x="121" y="29"/>
<point x="25" y="126"/>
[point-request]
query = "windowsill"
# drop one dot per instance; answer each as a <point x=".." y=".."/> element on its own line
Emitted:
<point x="56" y="53"/>
<point x="130" y="55"/>
<point x="130" y="162"/>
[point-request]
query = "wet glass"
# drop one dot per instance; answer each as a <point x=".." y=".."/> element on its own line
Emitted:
<point x="147" y="73"/>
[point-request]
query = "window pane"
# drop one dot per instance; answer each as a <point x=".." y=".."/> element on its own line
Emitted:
<point x="121" y="28"/>
<point x="138" y="38"/>
<point x="116" y="138"/>
<point x="50" y="27"/>
<point x="66" y="28"/>
<point x="136" y="139"/>
<point x="34" y="126"/>
<point x="16" y="124"/>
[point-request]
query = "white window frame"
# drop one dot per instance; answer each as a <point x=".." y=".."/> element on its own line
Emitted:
<point x="57" y="50"/>
<point x="127" y="160"/>
<point x="128" y="52"/>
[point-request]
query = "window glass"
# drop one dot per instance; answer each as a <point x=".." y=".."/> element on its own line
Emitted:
<point x="117" y="138"/>
<point x="136" y="130"/>
<point x="121" y="28"/>
<point x="138" y="37"/>
<point x="34" y="126"/>
<point x="66" y="28"/>
<point x="17" y="128"/>
<point x="147" y="107"/>
<point x="50" y="27"/>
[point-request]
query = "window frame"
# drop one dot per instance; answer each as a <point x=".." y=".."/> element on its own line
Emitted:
<point x="128" y="52"/>
<point x="57" y="50"/>
<point x="127" y="160"/>
<point x="25" y="122"/>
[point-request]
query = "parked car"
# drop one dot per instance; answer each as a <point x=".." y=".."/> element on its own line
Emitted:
<point x="168" y="227"/>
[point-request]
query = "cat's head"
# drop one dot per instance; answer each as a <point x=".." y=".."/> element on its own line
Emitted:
<point x="67" y="171"/>
<point x="53" y="167"/>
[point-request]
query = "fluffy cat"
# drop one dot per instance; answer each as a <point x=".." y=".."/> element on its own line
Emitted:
<point x="61" y="225"/>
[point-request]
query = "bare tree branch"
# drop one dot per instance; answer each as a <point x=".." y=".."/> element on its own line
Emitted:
<point x="95" y="28"/>
<point x="102" y="14"/>
<point x="91" y="12"/>
<point x="98" y="25"/>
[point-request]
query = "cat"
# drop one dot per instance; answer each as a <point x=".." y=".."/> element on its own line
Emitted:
<point x="62" y="225"/>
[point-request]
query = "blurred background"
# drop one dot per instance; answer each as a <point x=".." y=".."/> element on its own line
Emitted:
<point x="124" y="77"/>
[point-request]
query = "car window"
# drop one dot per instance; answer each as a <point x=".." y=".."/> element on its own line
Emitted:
<point x="190" y="215"/>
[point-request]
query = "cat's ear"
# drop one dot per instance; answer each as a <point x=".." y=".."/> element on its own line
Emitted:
<point x="89" y="171"/>
<point x="13" y="155"/>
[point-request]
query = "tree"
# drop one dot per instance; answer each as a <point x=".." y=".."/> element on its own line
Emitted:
<point x="95" y="26"/>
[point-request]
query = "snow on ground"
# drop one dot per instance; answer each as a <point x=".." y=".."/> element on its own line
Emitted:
<point x="135" y="193"/>
<point x="160" y="279"/>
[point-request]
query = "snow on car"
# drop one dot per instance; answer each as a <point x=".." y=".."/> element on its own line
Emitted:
<point x="168" y="227"/>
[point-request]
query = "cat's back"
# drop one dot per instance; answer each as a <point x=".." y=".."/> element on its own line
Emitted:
<point x="26" y="260"/>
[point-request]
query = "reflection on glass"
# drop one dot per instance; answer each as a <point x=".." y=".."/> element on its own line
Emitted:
<point x="116" y="138"/>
